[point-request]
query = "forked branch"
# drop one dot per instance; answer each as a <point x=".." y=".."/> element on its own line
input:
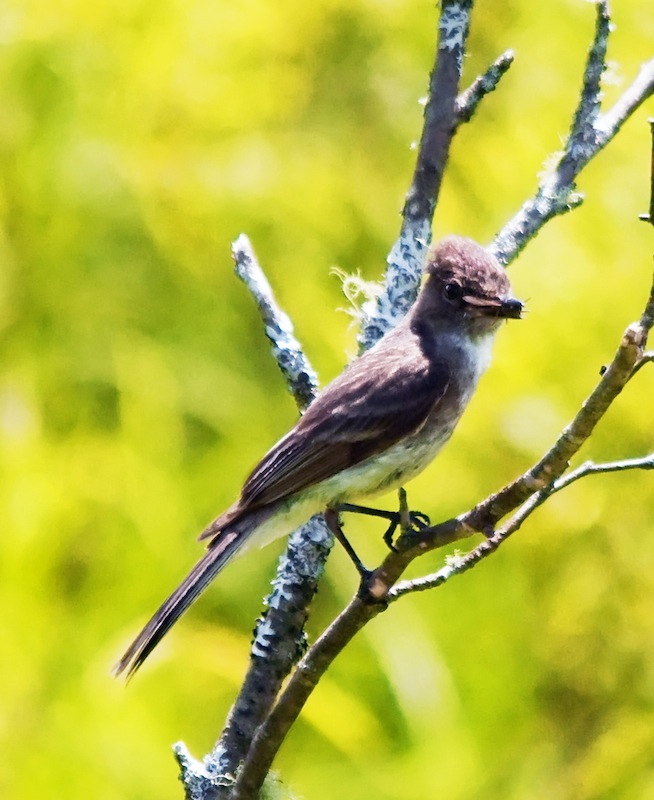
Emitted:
<point x="590" y="132"/>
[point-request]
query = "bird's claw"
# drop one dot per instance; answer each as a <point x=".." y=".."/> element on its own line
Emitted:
<point x="418" y="521"/>
<point x="413" y="522"/>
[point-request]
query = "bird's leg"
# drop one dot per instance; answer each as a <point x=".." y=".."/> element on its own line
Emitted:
<point x="334" y="525"/>
<point x="406" y="519"/>
<point x="368" y="511"/>
<point x="391" y="516"/>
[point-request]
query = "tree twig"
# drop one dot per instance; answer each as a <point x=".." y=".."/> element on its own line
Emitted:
<point x="649" y="217"/>
<point x="406" y="258"/>
<point x="591" y="468"/>
<point x="445" y="111"/>
<point x="467" y="102"/>
<point x="298" y="373"/>
<point x="304" y="679"/>
<point x="590" y="132"/>
<point x="457" y="564"/>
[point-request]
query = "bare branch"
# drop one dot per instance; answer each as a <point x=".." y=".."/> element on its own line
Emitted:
<point x="467" y="102"/>
<point x="457" y="564"/>
<point x="445" y="111"/>
<point x="304" y="679"/>
<point x="279" y="635"/>
<point x="609" y="123"/>
<point x="583" y="135"/>
<point x="646" y="323"/>
<point x="286" y="350"/>
<point x="279" y="641"/>
<point x="590" y="132"/>
<point x="405" y="260"/>
<point x="591" y="468"/>
<point x="650" y="216"/>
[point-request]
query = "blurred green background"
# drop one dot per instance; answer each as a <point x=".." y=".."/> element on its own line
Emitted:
<point x="137" y="140"/>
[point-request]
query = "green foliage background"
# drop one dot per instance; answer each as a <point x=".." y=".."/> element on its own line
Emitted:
<point x="137" y="139"/>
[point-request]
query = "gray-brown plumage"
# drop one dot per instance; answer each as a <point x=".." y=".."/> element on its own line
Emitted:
<point x="377" y="425"/>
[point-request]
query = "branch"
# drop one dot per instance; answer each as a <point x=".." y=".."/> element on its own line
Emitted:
<point x="591" y="468"/>
<point x="457" y="564"/>
<point x="589" y="133"/>
<point x="279" y="635"/>
<point x="650" y="216"/>
<point x="467" y="102"/>
<point x="405" y="260"/>
<point x="279" y="641"/>
<point x="445" y="111"/>
<point x="300" y="376"/>
<point x="305" y="678"/>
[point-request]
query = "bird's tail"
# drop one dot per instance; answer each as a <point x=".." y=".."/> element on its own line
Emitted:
<point x="221" y="550"/>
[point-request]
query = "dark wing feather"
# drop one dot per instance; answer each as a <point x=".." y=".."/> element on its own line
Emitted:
<point x="363" y="412"/>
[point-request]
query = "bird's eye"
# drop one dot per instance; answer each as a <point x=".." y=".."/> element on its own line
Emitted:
<point x="452" y="292"/>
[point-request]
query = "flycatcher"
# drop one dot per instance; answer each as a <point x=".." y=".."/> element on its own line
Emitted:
<point x="374" y="427"/>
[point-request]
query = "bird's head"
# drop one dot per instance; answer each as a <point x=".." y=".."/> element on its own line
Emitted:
<point x="466" y="286"/>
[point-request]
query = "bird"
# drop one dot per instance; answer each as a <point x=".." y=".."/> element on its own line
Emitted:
<point x="373" y="428"/>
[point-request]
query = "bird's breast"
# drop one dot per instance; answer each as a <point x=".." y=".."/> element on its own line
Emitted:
<point x="411" y="455"/>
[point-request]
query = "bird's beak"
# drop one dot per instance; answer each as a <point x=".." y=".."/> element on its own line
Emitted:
<point x="505" y="308"/>
<point x="511" y="308"/>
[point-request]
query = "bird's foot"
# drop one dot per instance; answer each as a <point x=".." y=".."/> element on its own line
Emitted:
<point x="407" y="521"/>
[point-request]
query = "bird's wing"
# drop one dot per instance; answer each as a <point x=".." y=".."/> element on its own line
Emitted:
<point x="360" y="414"/>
